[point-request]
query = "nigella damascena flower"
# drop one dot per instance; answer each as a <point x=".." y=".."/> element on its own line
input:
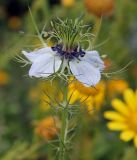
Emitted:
<point x="86" y="66"/>
<point x="67" y="54"/>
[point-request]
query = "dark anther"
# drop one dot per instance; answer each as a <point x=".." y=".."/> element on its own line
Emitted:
<point x="82" y="53"/>
<point x="54" y="48"/>
<point x="75" y="54"/>
<point x="68" y="55"/>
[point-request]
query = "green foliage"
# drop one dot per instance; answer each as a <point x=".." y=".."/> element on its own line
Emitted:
<point x="21" y="151"/>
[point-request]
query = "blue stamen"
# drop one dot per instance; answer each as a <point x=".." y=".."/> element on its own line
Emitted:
<point x="68" y="55"/>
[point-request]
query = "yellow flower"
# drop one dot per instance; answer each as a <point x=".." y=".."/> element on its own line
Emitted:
<point x="100" y="7"/>
<point x="47" y="127"/>
<point x="115" y="87"/>
<point x="46" y="93"/>
<point x="88" y="96"/>
<point x="91" y="96"/>
<point x="49" y="94"/>
<point x="124" y="118"/>
<point x="4" y="78"/>
<point x="68" y="3"/>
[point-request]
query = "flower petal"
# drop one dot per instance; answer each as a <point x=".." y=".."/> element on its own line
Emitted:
<point x="117" y="126"/>
<point x="136" y="98"/>
<point x="135" y="141"/>
<point x="127" y="135"/>
<point x="45" y="65"/>
<point x="120" y="107"/>
<point x="85" y="72"/>
<point x="130" y="99"/>
<point x="111" y="115"/>
<point x="73" y="96"/>
<point x="32" y="56"/>
<point x="93" y="58"/>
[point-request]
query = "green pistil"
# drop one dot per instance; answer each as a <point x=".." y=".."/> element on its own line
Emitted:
<point x="70" y="33"/>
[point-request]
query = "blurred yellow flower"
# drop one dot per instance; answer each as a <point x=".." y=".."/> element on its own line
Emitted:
<point x="124" y="118"/>
<point x="68" y="3"/>
<point x="115" y="87"/>
<point x="49" y="94"/>
<point x="47" y="128"/>
<point x="4" y="77"/>
<point x="100" y="7"/>
<point x="46" y="93"/>
<point x="91" y="96"/>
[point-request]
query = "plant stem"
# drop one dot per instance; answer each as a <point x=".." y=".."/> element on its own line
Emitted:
<point x="64" y="128"/>
<point x="63" y="137"/>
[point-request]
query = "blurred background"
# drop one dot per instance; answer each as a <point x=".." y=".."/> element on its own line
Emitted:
<point x="25" y="117"/>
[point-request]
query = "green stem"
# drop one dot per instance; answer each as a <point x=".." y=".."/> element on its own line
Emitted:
<point x="63" y="136"/>
<point x="64" y="129"/>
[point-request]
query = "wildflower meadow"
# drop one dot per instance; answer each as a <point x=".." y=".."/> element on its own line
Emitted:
<point x="68" y="80"/>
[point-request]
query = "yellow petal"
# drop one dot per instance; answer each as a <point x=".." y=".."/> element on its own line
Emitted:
<point x="111" y="115"/>
<point x="127" y="135"/>
<point x="136" y="98"/>
<point x="74" y="96"/>
<point x="99" y="100"/>
<point x="90" y="109"/>
<point x="68" y="3"/>
<point x="130" y="99"/>
<point x="88" y="101"/>
<point x="84" y="98"/>
<point x="120" y="107"/>
<point x="135" y="141"/>
<point x="116" y="126"/>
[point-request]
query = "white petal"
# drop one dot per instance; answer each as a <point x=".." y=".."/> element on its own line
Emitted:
<point x="32" y="56"/>
<point x="93" y="58"/>
<point x="85" y="72"/>
<point x="45" y="65"/>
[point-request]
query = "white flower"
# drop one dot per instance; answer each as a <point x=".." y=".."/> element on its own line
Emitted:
<point x="85" y="67"/>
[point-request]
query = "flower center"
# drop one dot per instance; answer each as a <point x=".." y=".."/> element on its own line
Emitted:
<point x="75" y="53"/>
